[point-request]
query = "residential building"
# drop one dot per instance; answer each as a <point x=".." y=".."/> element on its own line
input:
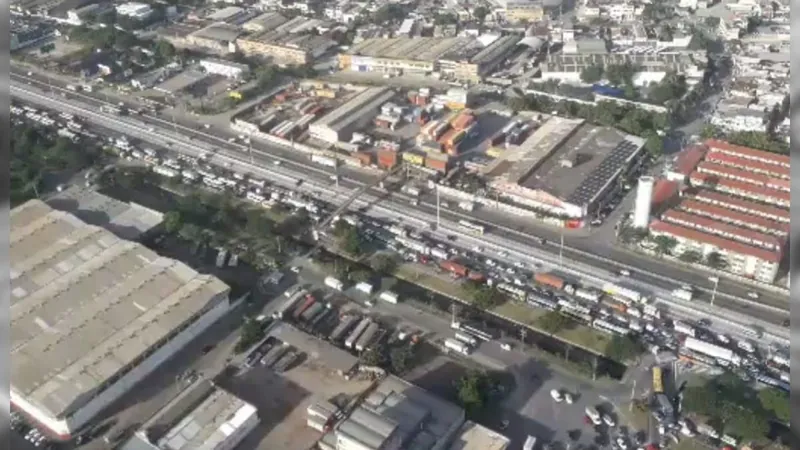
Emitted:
<point x="114" y="312"/>
<point x="133" y="10"/>
<point x="472" y="436"/>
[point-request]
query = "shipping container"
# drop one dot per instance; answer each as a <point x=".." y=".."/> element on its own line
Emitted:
<point x="712" y="350"/>
<point x="454" y="267"/>
<point x="413" y="158"/>
<point x="304" y="305"/>
<point x="440" y="130"/>
<point x="351" y="339"/>
<point x="387" y="158"/>
<point x="345" y="325"/>
<point x="548" y="279"/>
<point x="431" y="147"/>
<point x="312" y="311"/>
<point x="464" y="121"/>
<point x="445" y="138"/>
<point x="366" y="339"/>
<point x="436" y="164"/>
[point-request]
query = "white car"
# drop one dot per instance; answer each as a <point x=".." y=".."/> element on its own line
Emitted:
<point x="568" y="398"/>
<point x="477" y="249"/>
<point x="505" y="346"/>
<point x="608" y="420"/>
<point x="622" y="443"/>
<point x="276" y="163"/>
<point x="295" y="269"/>
<point x="753" y="295"/>
<point x="625" y="272"/>
<point x="556" y="396"/>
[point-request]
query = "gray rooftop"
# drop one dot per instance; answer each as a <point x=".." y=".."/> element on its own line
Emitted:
<point x="365" y="102"/>
<point x="472" y="436"/>
<point x="126" y="220"/>
<point x="181" y="81"/>
<point x="315" y="348"/>
<point x="86" y="305"/>
<point x="399" y="410"/>
<point x="220" y="31"/>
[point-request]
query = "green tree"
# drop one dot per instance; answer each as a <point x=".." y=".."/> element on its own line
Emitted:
<point x="401" y="358"/>
<point x="173" y="222"/>
<point x="350" y="242"/>
<point x="472" y="391"/>
<point x="250" y="333"/>
<point x="621" y="74"/>
<point x="592" y="74"/>
<point x="384" y="263"/>
<point x="623" y="348"/>
<point x="776" y="402"/>
<point x="164" y="50"/>
<point x="480" y="13"/>
<point x="715" y="260"/>
<point x="553" y="322"/>
<point x="665" y="244"/>
<point x="360" y="276"/>
<point x="691" y="257"/>
<point x="376" y="355"/>
<point x="654" y="145"/>
<point x="392" y="12"/>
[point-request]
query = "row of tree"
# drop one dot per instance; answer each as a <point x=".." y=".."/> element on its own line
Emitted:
<point x="666" y="245"/>
<point x="760" y="140"/>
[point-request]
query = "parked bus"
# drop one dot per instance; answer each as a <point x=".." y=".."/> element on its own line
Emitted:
<point x="658" y="386"/>
<point x="469" y="227"/>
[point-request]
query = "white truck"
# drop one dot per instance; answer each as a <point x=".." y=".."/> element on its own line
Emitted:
<point x="364" y="287"/>
<point x="708" y="349"/>
<point x="683" y="294"/>
<point x="465" y="338"/>
<point x="439" y="253"/>
<point x="530" y="443"/>
<point x="683" y="328"/>
<point x="388" y="297"/>
<point x="333" y="283"/>
<point x="456" y="346"/>
<point x="588" y="294"/>
<point x="621" y="291"/>
<point x="467" y="206"/>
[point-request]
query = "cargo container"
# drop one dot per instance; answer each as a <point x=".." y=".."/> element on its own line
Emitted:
<point x="431" y="147"/>
<point x="454" y="267"/>
<point x="428" y="128"/>
<point x="413" y="158"/>
<point x="388" y="297"/>
<point x="456" y="138"/>
<point x="304" y="305"/>
<point x="548" y="279"/>
<point x="324" y="160"/>
<point x="312" y="312"/>
<point x="366" y="339"/>
<point x="345" y="325"/>
<point x="439" y="131"/>
<point x="333" y="283"/>
<point x="445" y="138"/>
<point x="321" y="316"/>
<point x="357" y="332"/>
<point x="456" y="346"/>
<point x="274" y="354"/>
<point x="364" y="157"/>
<point x="437" y="164"/>
<point x="463" y="121"/>
<point x="387" y="158"/>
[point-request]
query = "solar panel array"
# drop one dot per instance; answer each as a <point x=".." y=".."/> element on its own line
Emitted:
<point x="609" y="169"/>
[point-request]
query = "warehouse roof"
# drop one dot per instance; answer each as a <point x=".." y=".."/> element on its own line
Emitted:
<point x="126" y="220"/>
<point x="218" y="32"/>
<point x="413" y="49"/>
<point x="365" y="102"/>
<point x="330" y="356"/>
<point x="737" y="204"/>
<point x="472" y="436"/>
<point x="709" y="225"/>
<point x="748" y="164"/>
<point x="762" y="193"/>
<point x="540" y="144"/>
<point x="747" y="152"/>
<point x="220" y="415"/>
<point x="86" y="304"/>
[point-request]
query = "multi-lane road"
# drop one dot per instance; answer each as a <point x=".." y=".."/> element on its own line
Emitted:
<point x="260" y="159"/>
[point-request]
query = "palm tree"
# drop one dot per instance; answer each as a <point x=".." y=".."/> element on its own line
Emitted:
<point x="715" y="260"/>
<point x="691" y="256"/>
<point x="664" y="244"/>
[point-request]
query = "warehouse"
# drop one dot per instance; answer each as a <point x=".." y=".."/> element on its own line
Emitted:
<point x="339" y="124"/>
<point x="92" y="315"/>
<point x="288" y="41"/>
<point x="472" y="436"/>
<point x="566" y="167"/>
<point x="398" y="414"/>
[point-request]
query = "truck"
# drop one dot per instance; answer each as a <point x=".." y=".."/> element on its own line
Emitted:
<point x="351" y="339"/>
<point x="333" y="283"/>
<point x="345" y="325"/>
<point x="683" y="328"/>
<point x="304" y="305"/>
<point x="715" y="351"/>
<point x="324" y="160"/>
<point x="621" y="291"/>
<point x="465" y="338"/>
<point x="529" y="444"/>
<point x="467" y="206"/>
<point x="439" y="253"/>
<point x="555" y="282"/>
<point x="651" y="311"/>
<point x="588" y="294"/>
<point x="366" y="338"/>
<point x="312" y="312"/>
<point x="364" y="287"/>
<point x="456" y="346"/>
<point x="683" y="294"/>
<point x="454" y="268"/>
<point x="388" y="297"/>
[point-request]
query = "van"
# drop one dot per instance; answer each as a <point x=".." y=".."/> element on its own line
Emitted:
<point x="592" y="414"/>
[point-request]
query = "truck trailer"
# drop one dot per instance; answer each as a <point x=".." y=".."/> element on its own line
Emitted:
<point x="351" y="340"/>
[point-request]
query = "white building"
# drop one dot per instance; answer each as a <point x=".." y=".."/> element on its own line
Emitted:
<point x="225" y="68"/>
<point x="644" y="195"/>
<point x="92" y="315"/>
<point x="138" y="11"/>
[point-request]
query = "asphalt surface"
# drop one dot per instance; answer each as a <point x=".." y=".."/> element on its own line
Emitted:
<point x="510" y="239"/>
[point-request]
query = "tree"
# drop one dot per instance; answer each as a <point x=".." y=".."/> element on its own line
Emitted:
<point x="480" y="13"/>
<point x="715" y="260"/>
<point x="350" y="242"/>
<point x="360" y="276"/>
<point x="654" y="145"/>
<point x="164" y="50"/>
<point x="400" y="358"/>
<point x="776" y="402"/>
<point x="173" y="222"/>
<point x="392" y="12"/>
<point x="623" y="348"/>
<point x="665" y="244"/>
<point x="377" y="354"/>
<point x="773" y="119"/>
<point x="592" y="74"/>
<point x="384" y="263"/>
<point x="553" y="322"/>
<point x="621" y="74"/>
<point x="691" y="257"/>
<point x="192" y="233"/>
<point x="472" y="392"/>
<point x="251" y="332"/>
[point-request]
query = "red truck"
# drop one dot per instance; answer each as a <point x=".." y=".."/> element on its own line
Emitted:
<point x="454" y="267"/>
<point x="548" y="279"/>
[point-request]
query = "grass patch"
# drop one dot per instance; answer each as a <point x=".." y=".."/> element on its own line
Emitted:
<point x="410" y="273"/>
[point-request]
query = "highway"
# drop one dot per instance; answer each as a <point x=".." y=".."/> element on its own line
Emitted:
<point x="317" y="181"/>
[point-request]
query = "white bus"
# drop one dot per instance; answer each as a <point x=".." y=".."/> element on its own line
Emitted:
<point x="470" y="227"/>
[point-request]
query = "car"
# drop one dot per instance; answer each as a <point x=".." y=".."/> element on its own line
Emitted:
<point x="753" y="295"/>
<point x="568" y="398"/>
<point x="625" y="272"/>
<point x="608" y="420"/>
<point x="61" y="187"/>
<point x="556" y="396"/>
<point x="622" y="443"/>
<point x="295" y="269"/>
<point x="505" y="346"/>
<point x="477" y="249"/>
<point x="704" y="322"/>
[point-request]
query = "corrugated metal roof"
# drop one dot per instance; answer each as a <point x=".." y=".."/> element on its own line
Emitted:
<point x="747" y="152"/>
<point x="724" y="229"/>
<point x="745" y="163"/>
<point x="729" y="215"/>
<point x="658" y="226"/>
<point x="738" y="204"/>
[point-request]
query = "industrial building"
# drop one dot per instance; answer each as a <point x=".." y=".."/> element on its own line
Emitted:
<point x="136" y="11"/>
<point x="92" y="315"/>
<point x="464" y="58"/>
<point x="201" y="416"/>
<point x="218" y="38"/>
<point x="339" y="124"/>
<point x="227" y="69"/>
<point x="472" y="436"/>
<point x="397" y="415"/>
<point x="288" y="41"/>
<point x="566" y="167"/>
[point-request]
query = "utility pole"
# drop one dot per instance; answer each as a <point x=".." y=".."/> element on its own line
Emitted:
<point x="633" y="394"/>
<point x="454" y="308"/>
<point x="438" y="208"/>
<point x="523" y="333"/>
<point x="561" y="251"/>
<point x="715" y="280"/>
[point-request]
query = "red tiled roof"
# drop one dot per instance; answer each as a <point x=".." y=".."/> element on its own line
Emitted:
<point x="711" y="196"/>
<point x="720" y="228"/>
<point x="746" y="189"/>
<point x="751" y="164"/>
<point x="658" y="226"/>
<point x="747" y="152"/>
<point x="759" y="179"/>
<point x="689" y="158"/>
<point x="663" y="190"/>
<point x="702" y="208"/>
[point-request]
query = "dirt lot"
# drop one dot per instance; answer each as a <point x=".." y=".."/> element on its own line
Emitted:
<point x="282" y="402"/>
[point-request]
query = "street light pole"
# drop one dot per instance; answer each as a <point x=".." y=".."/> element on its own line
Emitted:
<point x="438" y="207"/>
<point x="714" y="280"/>
<point x="561" y="251"/>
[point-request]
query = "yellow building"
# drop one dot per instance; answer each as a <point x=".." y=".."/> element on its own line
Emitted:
<point x="252" y="46"/>
<point x="524" y="12"/>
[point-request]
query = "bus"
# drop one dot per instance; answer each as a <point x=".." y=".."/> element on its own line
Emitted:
<point x="472" y="330"/>
<point x="469" y="227"/>
<point x="658" y="386"/>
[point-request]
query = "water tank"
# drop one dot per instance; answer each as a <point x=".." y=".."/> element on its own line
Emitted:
<point x="644" y="197"/>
